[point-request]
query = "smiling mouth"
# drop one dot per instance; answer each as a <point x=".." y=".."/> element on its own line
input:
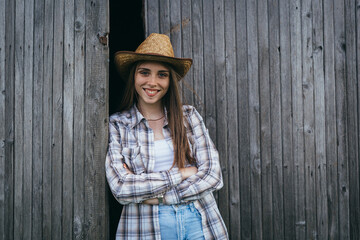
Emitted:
<point x="151" y="92"/>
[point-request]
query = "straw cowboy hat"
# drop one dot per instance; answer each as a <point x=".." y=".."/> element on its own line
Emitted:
<point x="156" y="47"/>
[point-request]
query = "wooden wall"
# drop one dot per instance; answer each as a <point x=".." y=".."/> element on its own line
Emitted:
<point x="53" y="114"/>
<point x="277" y="82"/>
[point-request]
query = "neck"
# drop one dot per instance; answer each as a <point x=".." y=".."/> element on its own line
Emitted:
<point x="151" y="111"/>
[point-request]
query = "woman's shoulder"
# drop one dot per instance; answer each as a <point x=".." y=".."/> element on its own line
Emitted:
<point x="191" y="113"/>
<point x="122" y="117"/>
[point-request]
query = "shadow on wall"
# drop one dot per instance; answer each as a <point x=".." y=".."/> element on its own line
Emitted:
<point x="126" y="33"/>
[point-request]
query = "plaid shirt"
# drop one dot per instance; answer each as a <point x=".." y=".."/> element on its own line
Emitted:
<point x="131" y="141"/>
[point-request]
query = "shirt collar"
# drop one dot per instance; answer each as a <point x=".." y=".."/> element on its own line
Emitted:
<point x="136" y="116"/>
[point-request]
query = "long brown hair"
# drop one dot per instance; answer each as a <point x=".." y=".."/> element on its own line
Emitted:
<point x="173" y="104"/>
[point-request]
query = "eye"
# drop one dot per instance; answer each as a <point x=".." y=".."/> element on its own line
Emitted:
<point x="163" y="75"/>
<point x="144" y="73"/>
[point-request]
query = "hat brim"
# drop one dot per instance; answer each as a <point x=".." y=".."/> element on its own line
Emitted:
<point x="125" y="59"/>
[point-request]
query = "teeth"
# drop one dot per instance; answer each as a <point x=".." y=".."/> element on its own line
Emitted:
<point x="151" y="91"/>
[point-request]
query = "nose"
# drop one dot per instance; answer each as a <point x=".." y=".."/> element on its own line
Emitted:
<point x="152" y="79"/>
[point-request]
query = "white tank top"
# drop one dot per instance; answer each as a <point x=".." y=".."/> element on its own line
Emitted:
<point x="164" y="156"/>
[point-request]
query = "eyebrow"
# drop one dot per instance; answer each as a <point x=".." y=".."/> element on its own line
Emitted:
<point x="150" y="70"/>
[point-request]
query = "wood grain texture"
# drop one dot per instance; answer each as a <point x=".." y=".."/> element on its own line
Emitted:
<point x="2" y="119"/>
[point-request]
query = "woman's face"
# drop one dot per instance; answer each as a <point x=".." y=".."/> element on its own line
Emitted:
<point x="152" y="80"/>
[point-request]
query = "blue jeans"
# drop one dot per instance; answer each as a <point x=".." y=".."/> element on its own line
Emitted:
<point x="180" y="222"/>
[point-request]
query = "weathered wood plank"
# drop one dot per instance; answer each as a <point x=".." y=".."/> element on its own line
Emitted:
<point x="254" y="120"/>
<point x="198" y="55"/>
<point x="38" y="84"/>
<point x="330" y="120"/>
<point x="3" y="220"/>
<point x="96" y="132"/>
<point x="47" y="117"/>
<point x="309" y="121"/>
<point x="232" y="118"/>
<point x="265" y="122"/>
<point x="164" y="16"/>
<point x="298" y="111"/>
<point x="319" y="106"/>
<point x="352" y="118"/>
<point x="186" y="32"/>
<point x="175" y="27"/>
<point x="28" y="115"/>
<point x="68" y="121"/>
<point x="243" y="125"/>
<point x="57" y="127"/>
<point x="9" y="121"/>
<point x="286" y="119"/>
<point x="341" y="116"/>
<point x="209" y="71"/>
<point x="276" y="124"/>
<point x="19" y="119"/>
<point x="79" y="120"/>
<point x="152" y="17"/>
<point x="219" y="20"/>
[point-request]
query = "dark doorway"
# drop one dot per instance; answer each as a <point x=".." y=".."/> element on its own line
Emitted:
<point x="126" y="33"/>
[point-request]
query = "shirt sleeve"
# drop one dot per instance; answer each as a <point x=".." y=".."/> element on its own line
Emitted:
<point x="131" y="188"/>
<point x="209" y="177"/>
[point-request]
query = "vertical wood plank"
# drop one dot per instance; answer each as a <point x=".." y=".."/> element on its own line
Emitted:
<point x="319" y="106"/>
<point x="297" y="111"/>
<point x="265" y="123"/>
<point x="47" y="117"/>
<point x="152" y="16"/>
<point x="96" y="132"/>
<point x="221" y="137"/>
<point x="309" y="121"/>
<point x="254" y="120"/>
<point x="330" y="120"/>
<point x="175" y="26"/>
<point x="164" y="16"/>
<point x="28" y="115"/>
<point x="232" y="118"/>
<point x="19" y="119"/>
<point x="353" y="115"/>
<point x="198" y="55"/>
<point x="2" y="119"/>
<point x="37" y="180"/>
<point x="57" y="119"/>
<point x="68" y="121"/>
<point x="186" y="32"/>
<point x="9" y="118"/>
<point x="287" y="119"/>
<point x="341" y="116"/>
<point x="79" y="120"/>
<point x="209" y="71"/>
<point x="243" y="118"/>
<point x="276" y="124"/>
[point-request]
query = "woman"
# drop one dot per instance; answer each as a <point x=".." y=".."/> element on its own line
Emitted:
<point x="161" y="163"/>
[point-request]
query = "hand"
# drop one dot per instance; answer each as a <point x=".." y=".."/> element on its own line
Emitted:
<point x="187" y="172"/>
<point x="151" y="201"/>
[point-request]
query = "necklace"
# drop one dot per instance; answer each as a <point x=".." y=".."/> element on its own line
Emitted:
<point x="156" y="119"/>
